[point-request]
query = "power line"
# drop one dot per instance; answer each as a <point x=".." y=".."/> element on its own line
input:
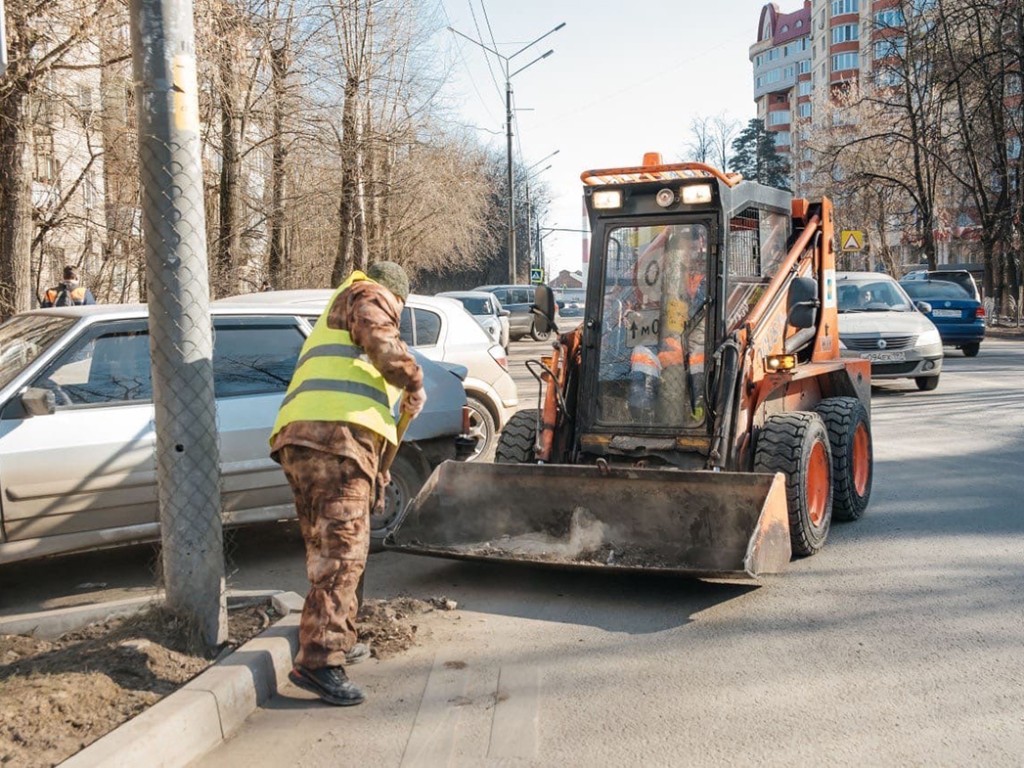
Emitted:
<point x="479" y="34"/>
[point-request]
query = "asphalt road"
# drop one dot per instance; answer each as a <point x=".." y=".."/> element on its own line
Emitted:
<point x="899" y="644"/>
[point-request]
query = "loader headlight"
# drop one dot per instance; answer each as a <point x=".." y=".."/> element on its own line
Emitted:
<point x="665" y="197"/>
<point x="697" y="193"/>
<point x="929" y="338"/>
<point x="607" y="198"/>
<point x="780" y="363"/>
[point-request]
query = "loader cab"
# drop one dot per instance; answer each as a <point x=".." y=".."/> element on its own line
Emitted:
<point x="679" y="255"/>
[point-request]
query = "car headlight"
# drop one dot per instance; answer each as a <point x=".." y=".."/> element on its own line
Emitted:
<point x="841" y="345"/>
<point x="929" y="338"/>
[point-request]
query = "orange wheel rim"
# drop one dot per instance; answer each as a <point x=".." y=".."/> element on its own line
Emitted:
<point x="861" y="459"/>
<point x="818" y="480"/>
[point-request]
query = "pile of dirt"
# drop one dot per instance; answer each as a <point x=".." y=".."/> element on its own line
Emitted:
<point x="387" y="625"/>
<point x="58" y="696"/>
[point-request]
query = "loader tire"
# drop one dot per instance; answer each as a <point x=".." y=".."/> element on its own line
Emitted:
<point x="849" y="437"/>
<point x="515" y="446"/>
<point x="796" y="444"/>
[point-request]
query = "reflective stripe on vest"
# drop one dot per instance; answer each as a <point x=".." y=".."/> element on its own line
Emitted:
<point x="334" y="381"/>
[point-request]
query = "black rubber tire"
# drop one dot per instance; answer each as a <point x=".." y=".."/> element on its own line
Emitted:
<point x="843" y="418"/>
<point x="927" y="383"/>
<point x="538" y="335"/>
<point x="409" y="472"/>
<point x="517" y="440"/>
<point x="786" y="444"/>
<point x="481" y="426"/>
<point x="972" y="349"/>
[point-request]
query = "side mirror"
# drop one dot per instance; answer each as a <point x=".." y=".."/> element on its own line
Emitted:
<point x="802" y="304"/>
<point x="543" y="309"/>
<point x="504" y="313"/>
<point x="923" y="307"/>
<point x="38" y="401"/>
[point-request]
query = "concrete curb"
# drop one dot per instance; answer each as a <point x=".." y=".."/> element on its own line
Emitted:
<point x="197" y="717"/>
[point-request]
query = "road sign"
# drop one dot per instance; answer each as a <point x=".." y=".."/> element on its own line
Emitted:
<point x="851" y="240"/>
<point x="536" y="275"/>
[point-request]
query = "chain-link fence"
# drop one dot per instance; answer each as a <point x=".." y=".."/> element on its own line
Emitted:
<point x="174" y="230"/>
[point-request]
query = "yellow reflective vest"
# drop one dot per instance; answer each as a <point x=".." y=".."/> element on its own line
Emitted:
<point x="334" y="381"/>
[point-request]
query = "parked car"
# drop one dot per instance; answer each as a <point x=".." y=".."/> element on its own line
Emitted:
<point x="486" y="310"/>
<point x="78" y="441"/>
<point x="961" y="277"/>
<point x="959" y="317"/>
<point x="879" y="322"/>
<point x="518" y="299"/>
<point x="443" y="331"/>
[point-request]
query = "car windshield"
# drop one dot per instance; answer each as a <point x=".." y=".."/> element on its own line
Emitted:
<point x="24" y="338"/>
<point x="935" y="289"/>
<point x="476" y="306"/>
<point x="872" y="295"/>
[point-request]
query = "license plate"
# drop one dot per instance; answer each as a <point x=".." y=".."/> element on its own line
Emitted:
<point x="885" y="357"/>
<point x="946" y="312"/>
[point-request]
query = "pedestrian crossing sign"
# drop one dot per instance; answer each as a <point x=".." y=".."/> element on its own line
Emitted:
<point x="851" y="240"/>
<point x="536" y="275"/>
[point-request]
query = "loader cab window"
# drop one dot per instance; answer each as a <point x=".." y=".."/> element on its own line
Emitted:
<point x="651" y="366"/>
<point x="756" y="246"/>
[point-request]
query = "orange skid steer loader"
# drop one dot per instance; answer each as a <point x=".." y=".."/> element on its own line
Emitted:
<point x="700" y="420"/>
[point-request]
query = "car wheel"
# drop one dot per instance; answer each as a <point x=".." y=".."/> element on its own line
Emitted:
<point x="409" y="472"/>
<point x="481" y="429"/>
<point x="537" y="335"/>
<point x="927" y="383"/>
<point x="517" y="440"/>
<point x="849" y="437"/>
<point x="796" y="444"/>
<point x="972" y="349"/>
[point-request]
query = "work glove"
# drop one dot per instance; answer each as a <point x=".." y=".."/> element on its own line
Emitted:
<point x="413" y="402"/>
<point x="380" y="493"/>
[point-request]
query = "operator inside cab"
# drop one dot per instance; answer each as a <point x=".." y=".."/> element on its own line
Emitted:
<point x="653" y="342"/>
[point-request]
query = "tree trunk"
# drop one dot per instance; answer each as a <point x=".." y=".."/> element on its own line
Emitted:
<point x="228" y="254"/>
<point x="278" y="261"/>
<point x="352" y="252"/>
<point x="15" y="205"/>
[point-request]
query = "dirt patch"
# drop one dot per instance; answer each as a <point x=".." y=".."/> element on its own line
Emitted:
<point x="389" y="627"/>
<point x="58" y="696"/>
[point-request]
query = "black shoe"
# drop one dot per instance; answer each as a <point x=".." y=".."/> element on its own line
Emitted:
<point x="359" y="652"/>
<point x="329" y="683"/>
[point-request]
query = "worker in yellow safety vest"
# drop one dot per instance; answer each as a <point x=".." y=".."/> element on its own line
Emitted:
<point x="333" y="425"/>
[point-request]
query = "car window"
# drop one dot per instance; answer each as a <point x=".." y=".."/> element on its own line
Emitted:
<point x="501" y="294"/>
<point x="477" y="306"/>
<point x="428" y="327"/>
<point x="935" y="289"/>
<point x="24" y="338"/>
<point x="405" y="327"/>
<point x="522" y="296"/>
<point x="254" y="357"/>
<point x="108" y="365"/>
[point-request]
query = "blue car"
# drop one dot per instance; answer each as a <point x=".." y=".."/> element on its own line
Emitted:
<point x="959" y="317"/>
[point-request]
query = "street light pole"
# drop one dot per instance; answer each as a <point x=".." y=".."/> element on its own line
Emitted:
<point x="510" y="179"/>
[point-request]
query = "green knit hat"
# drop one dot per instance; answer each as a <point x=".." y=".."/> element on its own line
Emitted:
<point x="391" y="276"/>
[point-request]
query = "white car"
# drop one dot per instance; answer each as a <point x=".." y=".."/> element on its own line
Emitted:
<point x="879" y="322"/>
<point x="486" y="310"/>
<point x="439" y="329"/>
<point x="78" y="440"/>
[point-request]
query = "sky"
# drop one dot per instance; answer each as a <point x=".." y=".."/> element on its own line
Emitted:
<point x="626" y="77"/>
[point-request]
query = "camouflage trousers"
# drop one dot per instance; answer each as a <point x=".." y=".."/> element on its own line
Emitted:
<point x="332" y="498"/>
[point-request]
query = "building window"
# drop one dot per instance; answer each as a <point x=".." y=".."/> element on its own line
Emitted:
<point x="843" y="61"/>
<point x="47" y="169"/>
<point x="845" y="33"/>
<point x="805" y="110"/>
<point x="779" y="117"/>
<point x="892" y="46"/>
<point x="789" y="72"/>
<point x="1013" y="148"/>
<point x="782" y="138"/>
<point x="889" y="19"/>
<point x="887" y="77"/>
<point x="840" y="7"/>
<point x="799" y="23"/>
<point x="757" y="60"/>
<point x="804" y="67"/>
<point x="804" y="88"/>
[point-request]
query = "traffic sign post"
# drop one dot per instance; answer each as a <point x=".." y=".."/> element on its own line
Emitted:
<point x="536" y="275"/>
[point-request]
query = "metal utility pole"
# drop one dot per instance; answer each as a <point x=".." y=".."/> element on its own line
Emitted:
<point x="181" y="344"/>
<point x="3" y="39"/>
<point x="510" y="181"/>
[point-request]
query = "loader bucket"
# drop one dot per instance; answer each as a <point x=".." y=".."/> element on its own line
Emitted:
<point x="707" y="524"/>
